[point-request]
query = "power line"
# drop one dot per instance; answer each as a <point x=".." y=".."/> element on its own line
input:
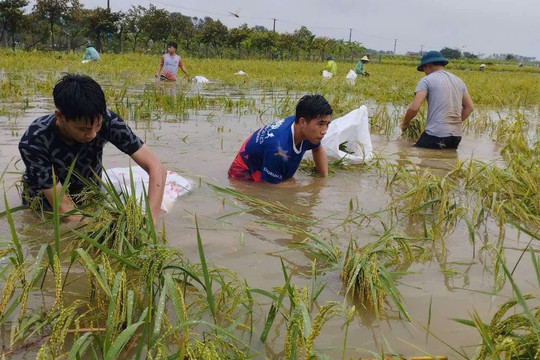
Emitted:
<point x="274" y="20"/>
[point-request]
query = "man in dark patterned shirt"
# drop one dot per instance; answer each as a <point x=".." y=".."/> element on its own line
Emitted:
<point x="79" y="128"/>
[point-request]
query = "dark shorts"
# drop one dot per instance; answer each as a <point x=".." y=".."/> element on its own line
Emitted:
<point x="434" y="142"/>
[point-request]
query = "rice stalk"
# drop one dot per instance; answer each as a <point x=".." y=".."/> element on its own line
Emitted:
<point x="365" y="272"/>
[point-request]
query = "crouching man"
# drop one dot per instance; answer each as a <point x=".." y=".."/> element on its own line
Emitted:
<point x="78" y="130"/>
<point x="273" y="153"/>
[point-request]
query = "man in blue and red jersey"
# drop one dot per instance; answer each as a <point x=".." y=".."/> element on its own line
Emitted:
<point x="273" y="153"/>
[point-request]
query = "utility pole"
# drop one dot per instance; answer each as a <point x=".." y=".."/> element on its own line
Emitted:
<point x="421" y="49"/>
<point x="350" y="37"/>
<point x="395" y="44"/>
<point x="108" y="5"/>
<point x="273" y="29"/>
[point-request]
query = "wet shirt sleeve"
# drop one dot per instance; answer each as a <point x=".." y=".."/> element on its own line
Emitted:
<point x="39" y="172"/>
<point x="121" y="135"/>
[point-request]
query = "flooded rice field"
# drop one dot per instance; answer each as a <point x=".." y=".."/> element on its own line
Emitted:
<point x="456" y="245"/>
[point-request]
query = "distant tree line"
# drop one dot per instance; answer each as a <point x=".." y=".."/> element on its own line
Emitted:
<point x="457" y="54"/>
<point x="67" y="25"/>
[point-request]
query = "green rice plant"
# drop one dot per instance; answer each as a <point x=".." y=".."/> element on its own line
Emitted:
<point x="139" y="280"/>
<point x="301" y="331"/>
<point x="510" y="336"/>
<point x="326" y="252"/>
<point x="21" y="273"/>
<point x="366" y="273"/>
<point x="426" y="196"/>
<point x="415" y="128"/>
<point x="512" y="192"/>
<point x="115" y="220"/>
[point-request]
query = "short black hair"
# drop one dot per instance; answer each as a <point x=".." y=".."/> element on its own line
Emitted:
<point x="173" y="44"/>
<point x="79" y="97"/>
<point x="311" y="107"/>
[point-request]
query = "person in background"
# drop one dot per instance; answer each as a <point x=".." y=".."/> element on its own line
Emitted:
<point x="273" y="153"/>
<point x="90" y="54"/>
<point x="359" y="68"/>
<point x="77" y="131"/>
<point x="482" y="66"/>
<point x="448" y="102"/>
<point x="331" y="65"/>
<point x="169" y="64"/>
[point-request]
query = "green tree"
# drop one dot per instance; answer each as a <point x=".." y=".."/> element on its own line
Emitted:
<point x="321" y="44"/>
<point x="469" y="55"/>
<point x="451" y="53"/>
<point x="183" y="28"/>
<point x="304" y="40"/>
<point x="355" y="48"/>
<point x="214" y="33"/>
<point x="70" y="25"/>
<point x="156" y="24"/>
<point x="34" y="31"/>
<point x="98" y="22"/>
<point x="237" y="36"/>
<point x="286" y="42"/>
<point x="132" y="23"/>
<point x="11" y="15"/>
<point x="53" y="11"/>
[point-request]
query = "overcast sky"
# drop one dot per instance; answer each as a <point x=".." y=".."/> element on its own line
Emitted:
<point x="477" y="26"/>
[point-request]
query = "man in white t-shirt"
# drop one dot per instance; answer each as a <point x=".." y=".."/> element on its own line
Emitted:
<point x="449" y="104"/>
<point x="170" y="62"/>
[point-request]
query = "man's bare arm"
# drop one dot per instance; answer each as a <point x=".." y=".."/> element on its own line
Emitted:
<point x="185" y="71"/>
<point x="66" y="203"/>
<point x="468" y="107"/>
<point x="321" y="161"/>
<point x="413" y="108"/>
<point x="146" y="159"/>
<point x="159" y="70"/>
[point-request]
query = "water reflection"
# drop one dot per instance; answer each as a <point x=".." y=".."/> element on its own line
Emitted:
<point x="295" y="202"/>
<point x="166" y="87"/>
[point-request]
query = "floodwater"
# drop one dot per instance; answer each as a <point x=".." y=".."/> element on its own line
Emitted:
<point x="194" y="147"/>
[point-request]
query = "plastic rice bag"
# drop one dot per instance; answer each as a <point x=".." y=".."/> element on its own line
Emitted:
<point x="175" y="185"/>
<point x="201" y="79"/>
<point x="351" y="75"/>
<point x="348" y="138"/>
<point x="240" y="73"/>
<point x="326" y="74"/>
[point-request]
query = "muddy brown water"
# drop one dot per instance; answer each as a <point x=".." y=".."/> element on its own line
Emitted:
<point x="253" y="250"/>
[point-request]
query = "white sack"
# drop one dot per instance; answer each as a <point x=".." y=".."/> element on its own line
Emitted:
<point x="201" y="79"/>
<point x="175" y="185"/>
<point x="352" y="128"/>
<point x="326" y="74"/>
<point x="351" y="75"/>
<point x="240" y="73"/>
